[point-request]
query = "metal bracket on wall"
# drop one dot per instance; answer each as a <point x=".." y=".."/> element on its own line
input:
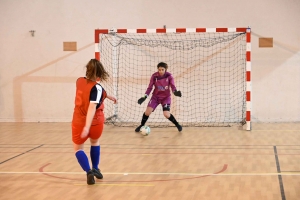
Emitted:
<point x="32" y="32"/>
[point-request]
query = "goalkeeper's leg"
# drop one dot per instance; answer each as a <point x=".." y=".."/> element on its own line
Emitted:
<point x="144" y="118"/>
<point x="170" y="117"/>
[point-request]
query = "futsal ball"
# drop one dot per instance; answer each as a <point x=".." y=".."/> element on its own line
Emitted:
<point x="145" y="130"/>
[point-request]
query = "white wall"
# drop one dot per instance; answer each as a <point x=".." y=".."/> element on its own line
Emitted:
<point x="37" y="78"/>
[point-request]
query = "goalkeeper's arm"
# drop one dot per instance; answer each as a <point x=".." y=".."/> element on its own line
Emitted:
<point x="142" y="99"/>
<point x="177" y="93"/>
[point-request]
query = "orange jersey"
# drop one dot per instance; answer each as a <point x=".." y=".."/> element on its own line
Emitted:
<point x="82" y="102"/>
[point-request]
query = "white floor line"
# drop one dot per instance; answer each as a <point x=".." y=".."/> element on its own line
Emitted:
<point x="177" y="174"/>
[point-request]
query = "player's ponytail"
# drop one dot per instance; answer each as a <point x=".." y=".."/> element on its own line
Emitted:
<point x="95" y="69"/>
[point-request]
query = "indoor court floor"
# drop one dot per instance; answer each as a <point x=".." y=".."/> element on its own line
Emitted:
<point x="226" y="163"/>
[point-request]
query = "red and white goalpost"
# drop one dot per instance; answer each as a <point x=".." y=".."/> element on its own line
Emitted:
<point x="211" y="67"/>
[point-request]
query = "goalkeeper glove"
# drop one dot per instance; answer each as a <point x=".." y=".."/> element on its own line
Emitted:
<point x="177" y="93"/>
<point x="142" y="99"/>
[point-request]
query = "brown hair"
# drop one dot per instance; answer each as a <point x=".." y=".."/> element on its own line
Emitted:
<point x="94" y="69"/>
<point x="162" y="64"/>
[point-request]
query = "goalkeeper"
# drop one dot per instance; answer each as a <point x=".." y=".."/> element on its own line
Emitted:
<point x="162" y="81"/>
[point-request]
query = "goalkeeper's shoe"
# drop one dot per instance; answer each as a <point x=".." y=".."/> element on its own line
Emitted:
<point x="179" y="127"/>
<point x="138" y="129"/>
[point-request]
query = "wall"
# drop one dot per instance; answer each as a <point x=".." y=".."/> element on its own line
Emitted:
<point x="37" y="78"/>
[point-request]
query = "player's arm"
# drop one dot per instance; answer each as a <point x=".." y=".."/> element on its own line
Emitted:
<point x="177" y="93"/>
<point x="112" y="98"/>
<point x="173" y="87"/>
<point x="95" y="96"/>
<point x="149" y="89"/>
<point x="142" y="99"/>
<point x="89" y="118"/>
<point x="150" y="86"/>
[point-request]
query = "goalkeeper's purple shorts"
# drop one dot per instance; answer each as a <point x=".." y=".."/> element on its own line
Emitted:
<point x="155" y="101"/>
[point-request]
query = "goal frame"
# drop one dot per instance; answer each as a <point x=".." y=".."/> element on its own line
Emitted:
<point x="246" y="30"/>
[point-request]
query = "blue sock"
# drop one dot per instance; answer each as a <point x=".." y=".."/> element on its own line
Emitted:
<point x="83" y="160"/>
<point x="95" y="156"/>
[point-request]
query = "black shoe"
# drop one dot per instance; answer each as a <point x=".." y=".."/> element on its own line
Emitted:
<point x="97" y="173"/>
<point x="179" y="127"/>
<point x="138" y="129"/>
<point x="90" y="178"/>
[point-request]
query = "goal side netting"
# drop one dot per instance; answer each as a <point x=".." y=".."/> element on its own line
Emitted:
<point x="209" y="69"/>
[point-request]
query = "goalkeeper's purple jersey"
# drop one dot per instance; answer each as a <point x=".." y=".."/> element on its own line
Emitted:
<point x="162" y="85"/>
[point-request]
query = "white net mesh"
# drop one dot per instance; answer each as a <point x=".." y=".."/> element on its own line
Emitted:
<point x="209" y="69"/>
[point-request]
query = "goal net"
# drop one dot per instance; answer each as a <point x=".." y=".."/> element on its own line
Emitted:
<point x="209" y="68"/>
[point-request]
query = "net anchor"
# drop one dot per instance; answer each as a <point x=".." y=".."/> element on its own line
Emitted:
<point x="112" y="31"/>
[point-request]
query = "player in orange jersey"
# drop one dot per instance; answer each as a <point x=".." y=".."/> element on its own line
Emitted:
<point x="88" y="117"/>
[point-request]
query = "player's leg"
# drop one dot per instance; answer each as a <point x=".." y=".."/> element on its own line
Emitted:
<point x="95" y="134"/>
<point x="78" y="144"/>
<point x="170" y="117"/>
<point x="84" y="163"/>
<point x="81" y="157"/>
<point x="166" y="104"/>
<point x="153" y="103"/>
<point x="95" y="157"/>
<point x="145" y="117"/>
<point x="173" y="120"/>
